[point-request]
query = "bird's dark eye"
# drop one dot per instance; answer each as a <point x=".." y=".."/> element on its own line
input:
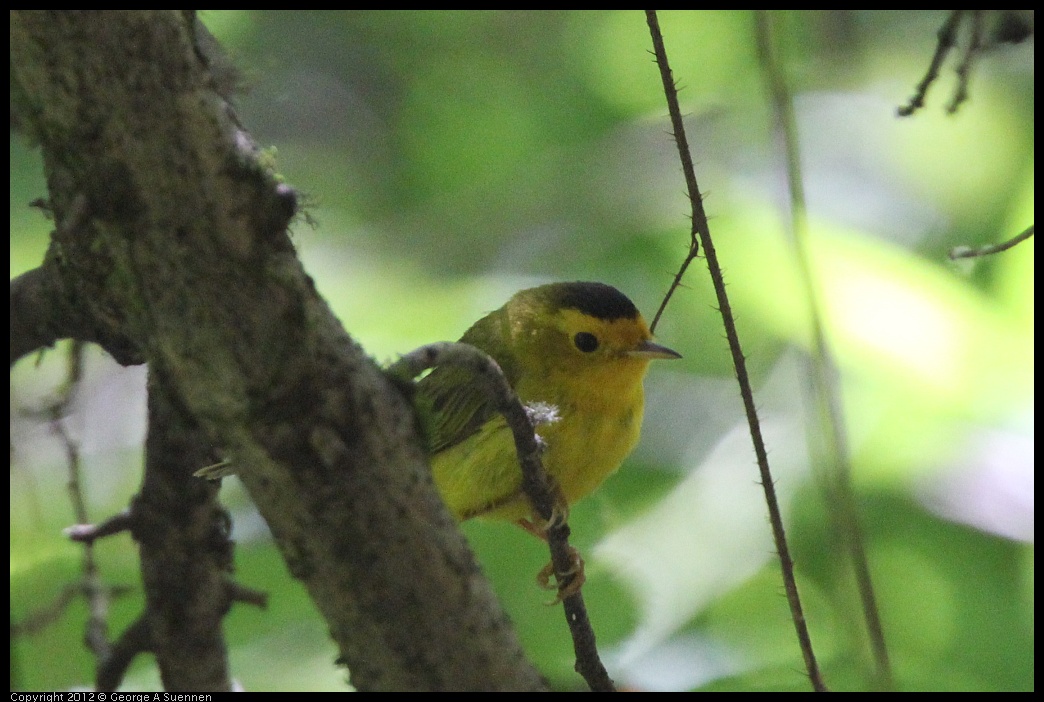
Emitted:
<point x="586" y="342"/>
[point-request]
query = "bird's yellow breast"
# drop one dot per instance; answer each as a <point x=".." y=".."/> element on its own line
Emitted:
<point x="585" y="447"/>
<point x="598" y="423"/>
<point x="581" y="348"/>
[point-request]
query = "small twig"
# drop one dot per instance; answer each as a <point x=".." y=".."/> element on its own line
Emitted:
<point x="694" y="250"/>
<point x="947" y="40"/>
<point x="964" y="69"/>
<point x="237" y="592"/>
<point x="535" y="483"/>
<point x="966" y="252"/>
<point x="89" y="533"/>
<point x="42" y="617"/>
<point x="699" y="221"/>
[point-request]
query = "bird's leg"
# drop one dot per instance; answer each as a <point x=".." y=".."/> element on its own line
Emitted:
<point x="570" y="581"/>
<point x="539" y="528"/>
<point x="559" y="514"/>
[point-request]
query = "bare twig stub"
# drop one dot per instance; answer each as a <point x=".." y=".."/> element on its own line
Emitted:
<point x="967" y="252"/>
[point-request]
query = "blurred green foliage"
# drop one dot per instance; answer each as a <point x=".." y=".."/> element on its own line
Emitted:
<point x="451" y="158"/>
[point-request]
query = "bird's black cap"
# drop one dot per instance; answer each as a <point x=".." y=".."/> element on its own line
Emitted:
<point x="596" y="299"/>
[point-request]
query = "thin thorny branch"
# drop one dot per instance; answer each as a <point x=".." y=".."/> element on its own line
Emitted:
<point x="700" y="226"/>
<point x="827" y="395"/>
<point x="535" y="482"/>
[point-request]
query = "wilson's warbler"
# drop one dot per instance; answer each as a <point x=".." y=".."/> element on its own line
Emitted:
<point x="582" y="348"/>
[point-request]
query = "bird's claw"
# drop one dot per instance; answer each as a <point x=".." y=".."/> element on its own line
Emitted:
<point x="539" y="528"/>
<point x="569" y="582"/>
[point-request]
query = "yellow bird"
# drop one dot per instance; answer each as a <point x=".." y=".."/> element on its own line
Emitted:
<point x="582" y="348"/>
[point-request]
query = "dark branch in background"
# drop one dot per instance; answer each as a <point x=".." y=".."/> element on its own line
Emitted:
<point x="947" y="40"/>
<point x="965" y="66"/>
<point x="90" y="586"/>
<point x="839" y="498"/>
<point x="1005" y="27"/>
<point x="97" y="594"/>
<point x="94" y="590"/>
<point x="186" y="559"/>
<point x="186" y="551"/>
<point x="699" y="218"/>
<point x="535" y="483"/>
<point x="966" y="252"/>
<point x="43" y="617"/>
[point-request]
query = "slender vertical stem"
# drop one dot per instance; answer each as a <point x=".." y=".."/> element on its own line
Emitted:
<point x="827" y="393"/>
<point x="699" y="223"/>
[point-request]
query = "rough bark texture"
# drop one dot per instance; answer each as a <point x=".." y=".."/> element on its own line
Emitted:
<point x="171" y="248"/>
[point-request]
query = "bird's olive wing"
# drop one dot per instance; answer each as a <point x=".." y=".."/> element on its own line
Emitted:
<point x="455" y="404"/>
<point x="453" y="399"/>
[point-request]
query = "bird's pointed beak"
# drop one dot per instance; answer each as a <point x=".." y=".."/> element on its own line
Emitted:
<point x="650" y="350"/>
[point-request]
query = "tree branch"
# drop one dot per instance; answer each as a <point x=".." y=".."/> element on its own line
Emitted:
<point x="184" y="250"/>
